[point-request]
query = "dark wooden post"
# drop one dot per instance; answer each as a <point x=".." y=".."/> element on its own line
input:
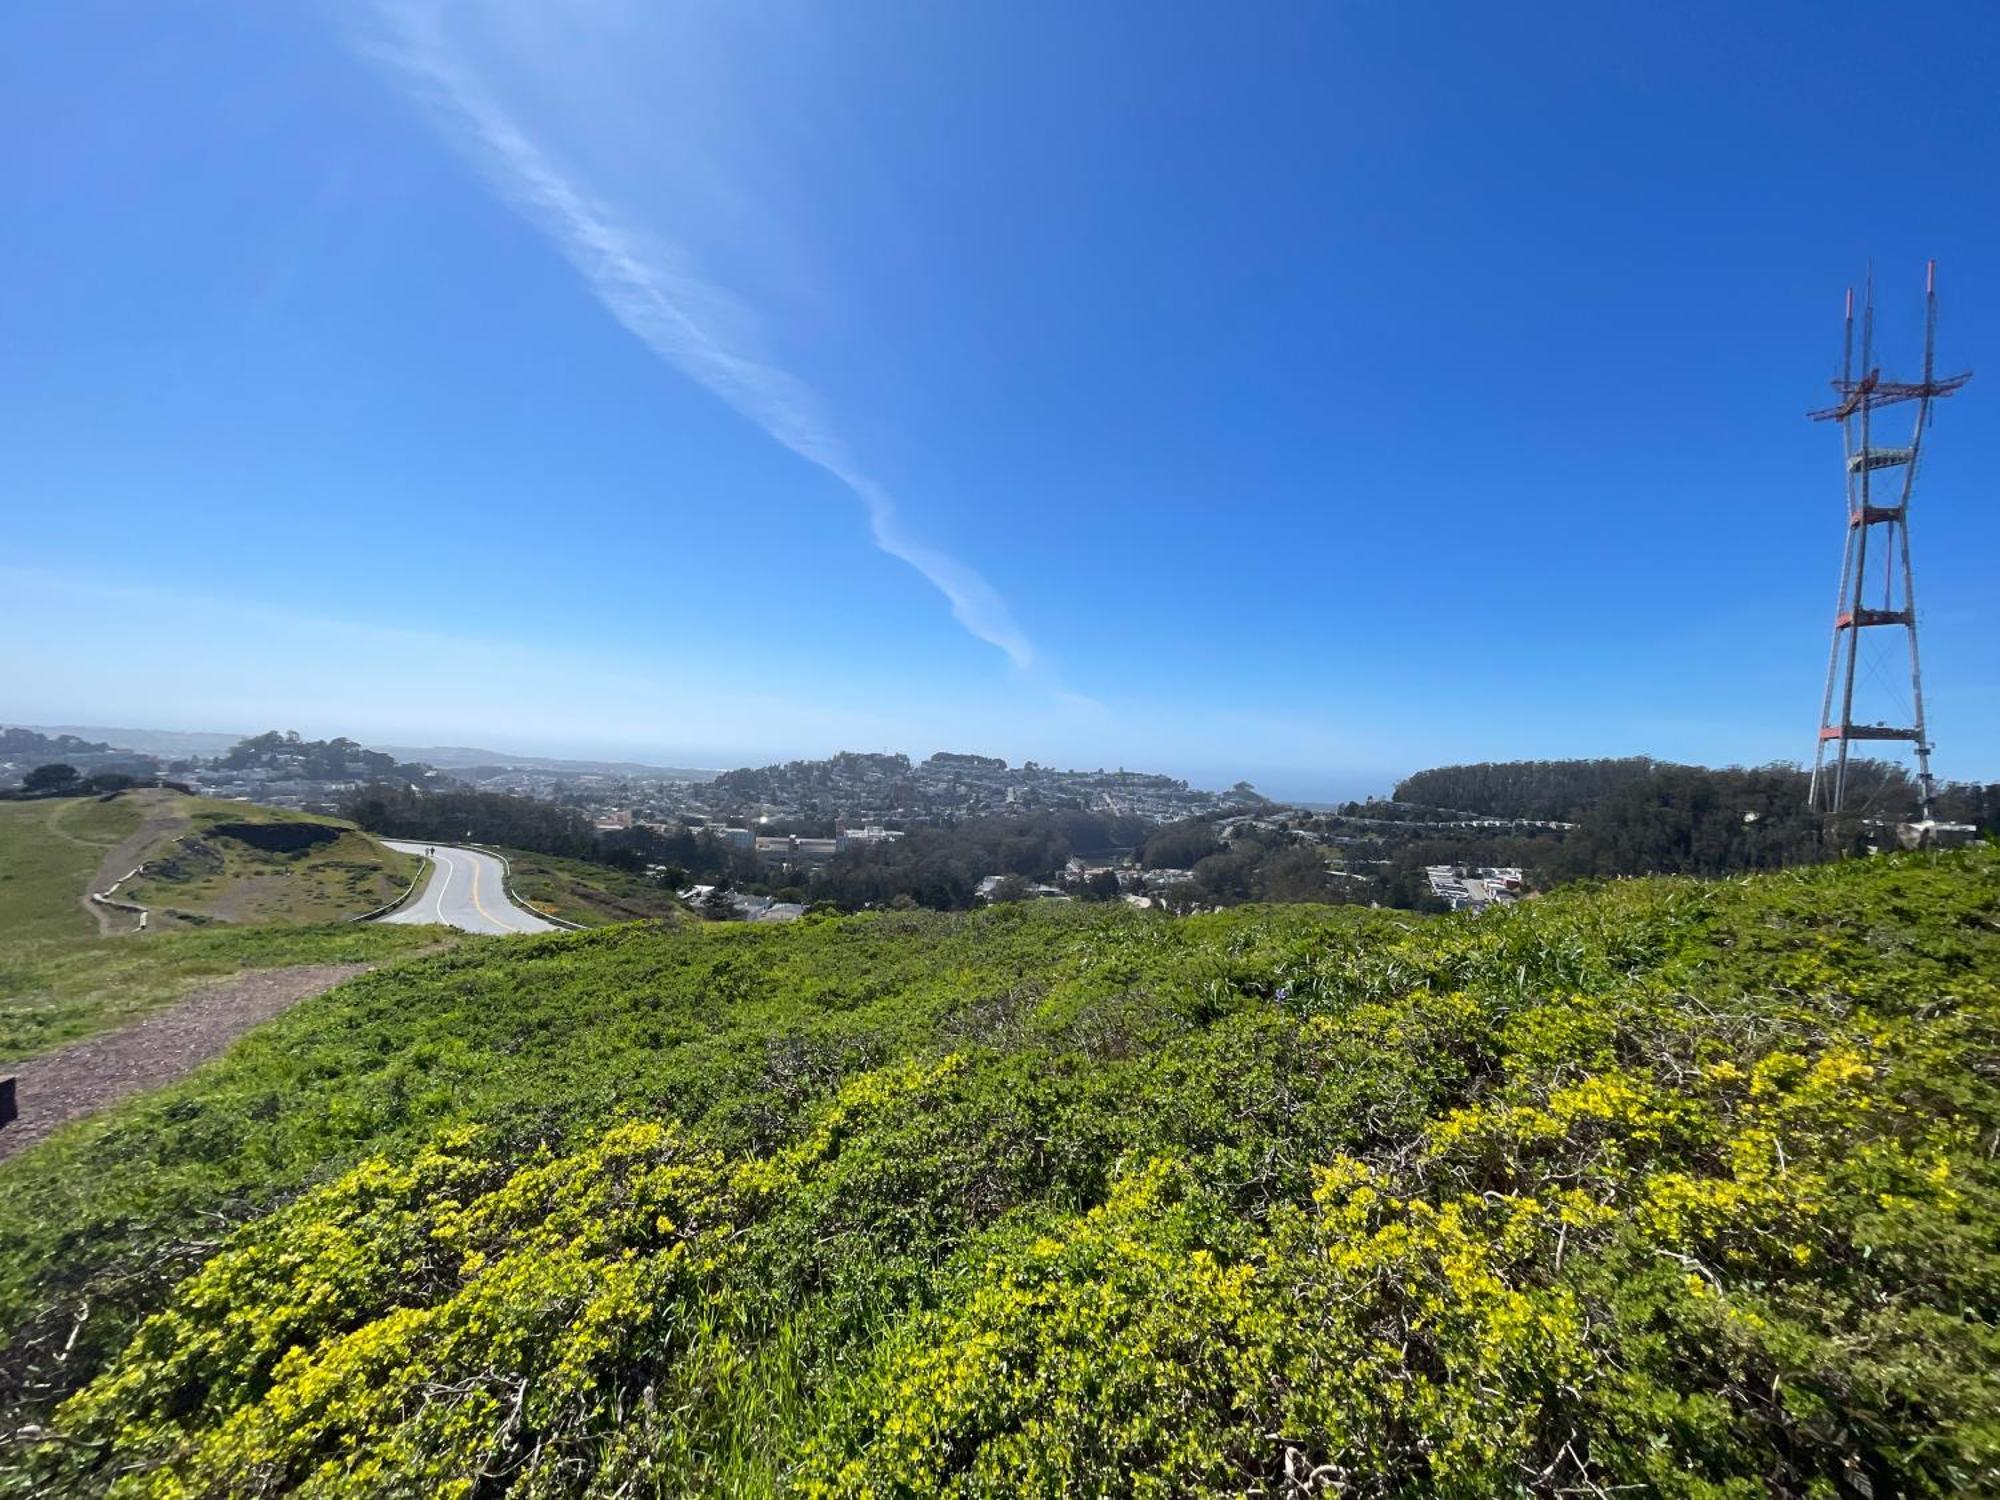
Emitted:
<point x="8" y="1109"/>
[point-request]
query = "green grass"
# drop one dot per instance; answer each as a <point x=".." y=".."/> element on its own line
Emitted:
<point x="206" y="876"/>
<point x="1661" y="1187"/>
<point x="54" y="991"/>
<point x="590" y="895"/>
<point x="49" y="850"/>
<point x="59" y="983"/>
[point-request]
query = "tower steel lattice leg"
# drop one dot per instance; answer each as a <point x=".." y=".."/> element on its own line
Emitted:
<point x="1860" y="398"/>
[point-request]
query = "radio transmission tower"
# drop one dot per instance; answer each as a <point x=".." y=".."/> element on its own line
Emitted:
<point x="1879" y="485"/>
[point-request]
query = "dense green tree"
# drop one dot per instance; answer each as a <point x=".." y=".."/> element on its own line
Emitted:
<point x="56" y="777"/>
<point x="1229" y="875"/>
<point x="1560" y="790"/>
<point x="322" y="760"/>
<point x="1297" y="874"/>
<point x="481" y="817"/>
<point x="1180" y="846"/>
<point x="1686" y="820"/>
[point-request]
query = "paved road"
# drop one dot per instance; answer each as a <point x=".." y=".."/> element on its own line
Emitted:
<point x="465" y="890"/>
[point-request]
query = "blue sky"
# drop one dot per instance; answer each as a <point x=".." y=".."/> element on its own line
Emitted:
<point x="1304" y="392"/>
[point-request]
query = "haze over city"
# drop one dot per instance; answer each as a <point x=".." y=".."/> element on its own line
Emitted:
<point x="715" y="385"/>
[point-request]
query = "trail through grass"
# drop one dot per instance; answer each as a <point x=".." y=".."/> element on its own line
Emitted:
<point x="54" y="991"/>
<point x="49" y="850"/>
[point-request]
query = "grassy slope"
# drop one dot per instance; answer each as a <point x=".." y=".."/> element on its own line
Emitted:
<point x="55" y="991"/>
<point x="49" y="850"/>
<point x="59" y="983"/>
<point x="589" y="894"/>
<point x="203" y="877"/>
<point x="1670" y="1185"/>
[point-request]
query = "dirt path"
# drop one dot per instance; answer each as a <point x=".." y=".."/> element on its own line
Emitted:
<point x="93" y="1074"/>
<point x="161" y="821"/>
<point x="107" y="925"/>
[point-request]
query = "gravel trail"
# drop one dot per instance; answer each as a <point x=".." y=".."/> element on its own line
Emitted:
<point x="97" y="1072"/>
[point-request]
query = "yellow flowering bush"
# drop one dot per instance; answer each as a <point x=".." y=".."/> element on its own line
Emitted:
<point x="481" y="1331"/>
<point x="1659" y="1188"/>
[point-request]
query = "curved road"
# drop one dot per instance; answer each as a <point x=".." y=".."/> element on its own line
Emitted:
<point x="467" y="889"/>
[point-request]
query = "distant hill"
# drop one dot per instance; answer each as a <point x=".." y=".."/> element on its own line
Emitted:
<point x="169" y="744"/>
<point x="286" y="756"/>
<point x="1562" y="790"/>
<point x="1570" y="790"/>
<point x="465" y="758"/>
<point x="22" y="749"/>
<point x="34" y="742"/>
<point x="183" y="744"/>
<point x="188" y="744"/>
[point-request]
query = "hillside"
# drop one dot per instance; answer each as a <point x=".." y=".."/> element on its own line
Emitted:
<point x="204" y="861"/>
<point x="1657" y="1187"/>
<point x="166" y="744"/>
<point x="590" y="895"/>
<point x="50" y="852"/>
<point x="237" y="862"/>
<point x="70" y="968"/>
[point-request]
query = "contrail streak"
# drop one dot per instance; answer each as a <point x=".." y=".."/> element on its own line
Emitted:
<point x="645" y="286"/>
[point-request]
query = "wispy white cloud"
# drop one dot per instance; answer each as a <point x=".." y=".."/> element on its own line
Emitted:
<point x="648" y="286"/>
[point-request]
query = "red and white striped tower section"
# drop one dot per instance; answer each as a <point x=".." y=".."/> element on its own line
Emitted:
<point x="1879" y="485"/>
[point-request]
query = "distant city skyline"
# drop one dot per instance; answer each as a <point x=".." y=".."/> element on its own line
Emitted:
<point x="1309" y="398"/>
<point x="145" y="738"/>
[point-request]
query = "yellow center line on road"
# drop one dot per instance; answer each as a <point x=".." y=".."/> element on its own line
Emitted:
<point x="481" y="905"/>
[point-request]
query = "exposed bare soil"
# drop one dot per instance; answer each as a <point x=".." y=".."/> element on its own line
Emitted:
<point x="92" y="1074"/>
<point x="163" y="820"/>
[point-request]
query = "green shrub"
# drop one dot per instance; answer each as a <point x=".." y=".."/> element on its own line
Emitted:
<point x="1660" y="1188"/>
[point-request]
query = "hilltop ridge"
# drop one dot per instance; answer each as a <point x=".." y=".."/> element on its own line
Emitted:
<point x="191" y="860"/>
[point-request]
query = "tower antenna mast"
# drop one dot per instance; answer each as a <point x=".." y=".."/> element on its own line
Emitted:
<point x="1885" y="526"/>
